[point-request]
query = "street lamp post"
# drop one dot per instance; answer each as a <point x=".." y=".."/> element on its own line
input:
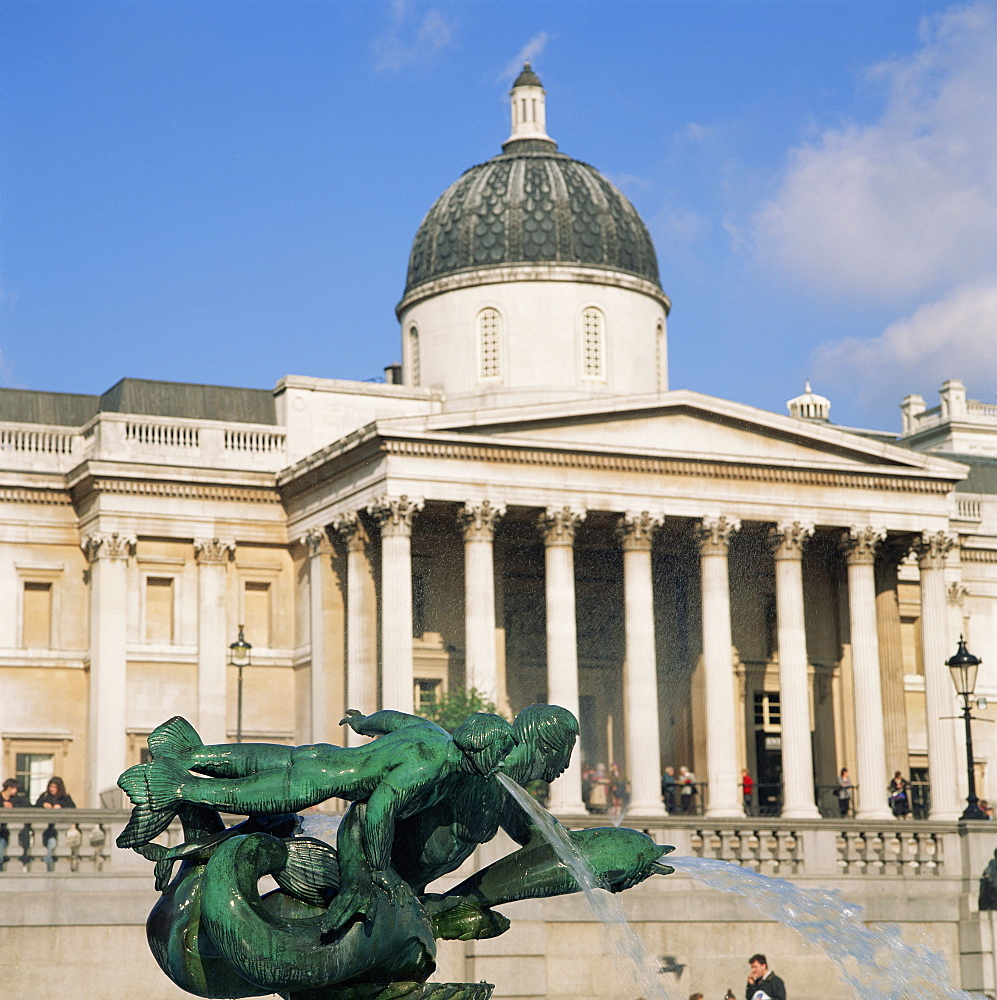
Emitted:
<point x="240" y="654"/>
<point x="964" y="667"/>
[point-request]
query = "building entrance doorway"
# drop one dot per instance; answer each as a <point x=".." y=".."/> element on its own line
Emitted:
<point x="768" y="754"/>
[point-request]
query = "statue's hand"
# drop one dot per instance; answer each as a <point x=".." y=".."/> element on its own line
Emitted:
<point x="362" y="897"/>
<point x="353" y="715"/>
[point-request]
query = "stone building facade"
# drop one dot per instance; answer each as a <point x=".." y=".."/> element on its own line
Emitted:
<point x="525" y="508"/>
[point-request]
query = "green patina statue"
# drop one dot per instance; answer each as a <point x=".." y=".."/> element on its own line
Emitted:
<point x="354" y="921"/>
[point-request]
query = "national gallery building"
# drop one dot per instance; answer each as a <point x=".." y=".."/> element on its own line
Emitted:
<point x="523" y="507"/>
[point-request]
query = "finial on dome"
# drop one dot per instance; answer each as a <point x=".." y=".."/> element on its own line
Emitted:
<point x="810" y="406"/>
<point x="529" y="108"/>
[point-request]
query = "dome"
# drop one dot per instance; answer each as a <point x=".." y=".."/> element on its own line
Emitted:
<point x="530" y="205"/>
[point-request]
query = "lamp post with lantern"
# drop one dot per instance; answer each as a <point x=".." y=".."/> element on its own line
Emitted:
<point x="240" y="655"/>
<point x="964" y="667"/>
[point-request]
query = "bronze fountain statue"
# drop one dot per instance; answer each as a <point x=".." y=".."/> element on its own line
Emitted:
<point x="354" y="921"/>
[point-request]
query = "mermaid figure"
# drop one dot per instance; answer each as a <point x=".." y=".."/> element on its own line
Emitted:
<point x="353" y="921"/>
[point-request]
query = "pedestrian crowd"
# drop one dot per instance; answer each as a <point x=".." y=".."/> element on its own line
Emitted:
<point x="12" y="796"/>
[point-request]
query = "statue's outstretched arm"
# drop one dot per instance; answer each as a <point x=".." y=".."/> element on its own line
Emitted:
<point x="383" y="722"/>
<point x="379" y="825"/>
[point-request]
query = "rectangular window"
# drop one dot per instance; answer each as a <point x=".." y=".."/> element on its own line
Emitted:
<point x="427" y="694"/>
<point x="159" y="609"/>
<point x="256" y="613"/>
<point x="33" y="771"/>
<point x="37" y="611"/>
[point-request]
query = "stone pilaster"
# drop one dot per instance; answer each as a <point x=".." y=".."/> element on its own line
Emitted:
<point x="860" y="545"/>
<point x="213" y="556"/>
<point x="558" y="525"/>
<point x="640" y="673"/>
<point x="724" y="794"/>
<point x="788" y="541"/>
<point x="108" y="554"/>
<point x="395" y="516"/>
<point x="940" y="699"/>
<point x="478" y="520"/>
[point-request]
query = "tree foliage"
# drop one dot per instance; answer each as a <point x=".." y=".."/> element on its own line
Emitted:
<point x="454" y="707"/>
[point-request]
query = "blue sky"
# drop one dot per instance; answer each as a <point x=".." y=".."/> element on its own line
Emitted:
<point x="227" y="191"/>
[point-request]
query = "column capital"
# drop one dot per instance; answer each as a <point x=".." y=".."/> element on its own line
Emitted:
<point x="636" y="531"/>
<point x="351" y="530"/>
<point x="478" y="519"/>
<point x="395" y="514"/>
<point x="932" y="547"/>
<point x="860" y="544"/>
<point x="957" y="594"/>
<point x="213" y="551"/>
<point x="713" y="534"/>
<point x="558" y="524"/>
<point x="313" y="540"/>
<point x="893" y="551"/>
<point x="788" y="539"/>
<point x="111" y="545"/>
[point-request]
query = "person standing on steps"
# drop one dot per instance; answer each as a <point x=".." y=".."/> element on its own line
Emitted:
<point x="762" y="983"/>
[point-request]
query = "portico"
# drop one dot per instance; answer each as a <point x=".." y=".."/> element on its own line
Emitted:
<point x="614" y="582"/>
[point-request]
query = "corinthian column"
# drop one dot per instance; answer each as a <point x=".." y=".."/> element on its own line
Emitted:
<point x="318" y="693"/>
<point x="797" y="752"/>
<point x="939" y="696"/>
<point x="640" y="672"/>
<point x="397" y="681"/>
<point x="213" y="557"/>
<point x="859" y="546"/>
<point x="558" y="528"/>
<point x="361" y="644"/>
<point x="108" y="555"/>
<point x="714" y="534"/>
<point x="478" y="521"/>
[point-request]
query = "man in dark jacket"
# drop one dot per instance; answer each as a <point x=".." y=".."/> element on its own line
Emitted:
<point x="762" y="983"/>
<point x="11" y="797"/>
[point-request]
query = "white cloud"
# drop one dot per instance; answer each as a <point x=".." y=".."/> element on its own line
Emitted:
<point x="411" y="38"/>
<point x="907" y="204"/>
<point x="953" y="337"/>
<point x="526" y="54"/>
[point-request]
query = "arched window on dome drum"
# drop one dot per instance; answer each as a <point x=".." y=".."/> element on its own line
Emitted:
<point x="414" y="361"/>
<point x="489" y="345"/>
<point x="593" y="345"/>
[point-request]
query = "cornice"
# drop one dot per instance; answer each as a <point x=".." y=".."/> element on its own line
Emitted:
<point x="183" y="491"/>
<point x="564" y="272"/>
<point x="60" y="498"/>
<point x="709" y="469"/>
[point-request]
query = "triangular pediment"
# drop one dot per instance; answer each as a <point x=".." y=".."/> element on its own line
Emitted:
<point x="684" y="424"/>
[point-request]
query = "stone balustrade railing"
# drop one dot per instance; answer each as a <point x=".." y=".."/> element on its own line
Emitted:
<point x="823" y="849"/>
<point x="817" y="848"/>
<point x="146" y="439"/>
<point x="968" y="510"/>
